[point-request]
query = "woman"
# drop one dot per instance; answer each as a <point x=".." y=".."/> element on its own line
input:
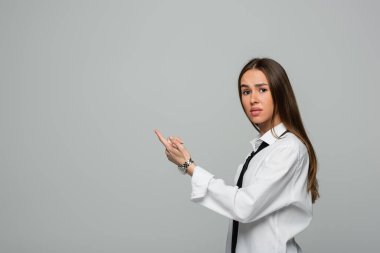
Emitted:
<point x="271" y="200"/>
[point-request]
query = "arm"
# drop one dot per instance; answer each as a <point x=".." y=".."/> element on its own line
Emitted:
<point x="271" y="190"/>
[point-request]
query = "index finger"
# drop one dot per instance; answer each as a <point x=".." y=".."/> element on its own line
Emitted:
<point x="162" y="139"/>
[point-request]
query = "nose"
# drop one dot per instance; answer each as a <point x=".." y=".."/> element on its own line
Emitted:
<point x="253" y="98"/>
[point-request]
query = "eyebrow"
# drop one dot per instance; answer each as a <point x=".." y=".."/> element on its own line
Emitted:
<point x="256" y="85"/>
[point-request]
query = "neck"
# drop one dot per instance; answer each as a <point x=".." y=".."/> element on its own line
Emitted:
<point x="266" y="126"/>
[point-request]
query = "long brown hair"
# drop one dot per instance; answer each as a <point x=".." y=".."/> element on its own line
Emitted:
<point x="285" y="105"/>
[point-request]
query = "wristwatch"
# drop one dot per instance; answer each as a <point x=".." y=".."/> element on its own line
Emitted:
<point x="183" y="168"/>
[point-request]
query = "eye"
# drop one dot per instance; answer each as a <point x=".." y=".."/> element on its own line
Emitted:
<point x="245" y="92"/>
<point x="262" y="90"/>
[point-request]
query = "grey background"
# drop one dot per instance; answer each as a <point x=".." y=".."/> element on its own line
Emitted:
<point x="84" y="83"/>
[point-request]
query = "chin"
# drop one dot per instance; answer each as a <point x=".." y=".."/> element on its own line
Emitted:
<point x="258" y="124"/>
<point x="256" y="121"/>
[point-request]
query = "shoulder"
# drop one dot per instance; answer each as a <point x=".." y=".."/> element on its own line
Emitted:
<point x="289" y="142"/>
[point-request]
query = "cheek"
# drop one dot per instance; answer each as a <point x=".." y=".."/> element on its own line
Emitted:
<point x="246" y="105"/>
<point x="267" y="99"/>
<point x="245" y="101"/>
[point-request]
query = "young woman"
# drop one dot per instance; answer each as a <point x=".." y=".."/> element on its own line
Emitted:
<point x="271" y="199"/>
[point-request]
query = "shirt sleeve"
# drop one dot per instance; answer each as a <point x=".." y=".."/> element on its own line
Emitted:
<point x="272" y="188"/>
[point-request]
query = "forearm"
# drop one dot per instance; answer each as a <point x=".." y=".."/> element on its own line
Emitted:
<point x="190" y="169"/>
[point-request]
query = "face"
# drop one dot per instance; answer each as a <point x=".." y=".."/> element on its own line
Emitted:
<point x="257" y="99"/>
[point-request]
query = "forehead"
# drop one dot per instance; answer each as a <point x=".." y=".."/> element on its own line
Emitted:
<point x="253" y="76"/>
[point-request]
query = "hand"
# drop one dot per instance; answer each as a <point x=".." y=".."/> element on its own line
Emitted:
<point x="175" y="151"/>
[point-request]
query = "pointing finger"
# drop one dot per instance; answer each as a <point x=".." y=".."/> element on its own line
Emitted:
<point x="162" y="139"/>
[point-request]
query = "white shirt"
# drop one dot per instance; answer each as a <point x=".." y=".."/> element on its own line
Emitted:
<point x="273" y="204"/>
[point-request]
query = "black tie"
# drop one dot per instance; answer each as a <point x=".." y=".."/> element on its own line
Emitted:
<point x="239" y="183"/>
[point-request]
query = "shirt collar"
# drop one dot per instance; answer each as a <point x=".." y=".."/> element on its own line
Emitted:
<point x="268" y="137"/>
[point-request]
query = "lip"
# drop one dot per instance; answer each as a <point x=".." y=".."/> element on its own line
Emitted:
<point x="255" y="112"/>
<point x="255" y="109"/>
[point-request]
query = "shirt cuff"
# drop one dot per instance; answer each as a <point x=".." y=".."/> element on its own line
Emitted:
<point x="199" y="182"/>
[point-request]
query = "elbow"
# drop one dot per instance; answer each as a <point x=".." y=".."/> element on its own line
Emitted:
<point x="245" y="212"/>
<point x="252" y="209"/>
<point x="245" y="218"/>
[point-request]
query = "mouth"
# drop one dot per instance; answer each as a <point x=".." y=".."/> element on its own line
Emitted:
<point x="255" y="112"/>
